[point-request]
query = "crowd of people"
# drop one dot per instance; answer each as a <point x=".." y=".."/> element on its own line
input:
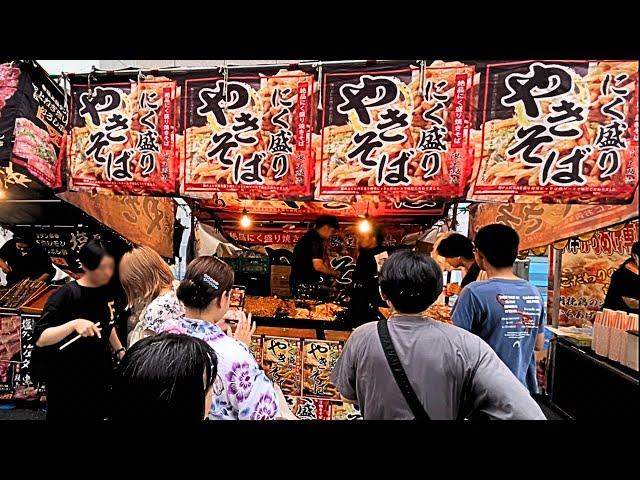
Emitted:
<point x="186" y="362"/>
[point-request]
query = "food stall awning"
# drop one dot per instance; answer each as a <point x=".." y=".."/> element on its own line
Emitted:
<point x="540" y="225"/>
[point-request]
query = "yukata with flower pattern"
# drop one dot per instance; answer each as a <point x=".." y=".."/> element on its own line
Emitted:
<point x="248" y="393"/>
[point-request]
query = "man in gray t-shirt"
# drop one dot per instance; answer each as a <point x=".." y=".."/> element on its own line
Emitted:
<point x="442" y="362"/>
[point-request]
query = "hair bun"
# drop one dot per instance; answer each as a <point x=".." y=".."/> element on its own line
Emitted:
<point x="192" y="294"/>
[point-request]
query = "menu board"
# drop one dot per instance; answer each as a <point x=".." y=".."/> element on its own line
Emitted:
<point x="63" y="244"/>
<point x="281" y="360"/>
<point x="588" y="261"/>
<point x="318" y="360"/>
<point x="10" y="350"/>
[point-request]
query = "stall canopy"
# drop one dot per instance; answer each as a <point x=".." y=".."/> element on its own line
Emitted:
<point x="337" y="131"/>
<point x="143" y="220"/>
<point x="541" y="225"/>
<point x="395" y="140"/>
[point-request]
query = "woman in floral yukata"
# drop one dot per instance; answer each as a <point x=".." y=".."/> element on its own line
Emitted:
<point x="248" y="393"/>
<point x="148" y="280"/>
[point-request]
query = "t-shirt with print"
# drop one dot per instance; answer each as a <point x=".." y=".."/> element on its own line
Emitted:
<point x="248" y="393"/>
<point x="508" y="315"/>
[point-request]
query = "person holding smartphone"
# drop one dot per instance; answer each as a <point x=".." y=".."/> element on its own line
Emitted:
<point x="248" y="394"/>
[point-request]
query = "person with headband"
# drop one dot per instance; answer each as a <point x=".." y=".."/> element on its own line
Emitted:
<point x="365" y="294"/>
<point x="247" y="392"/>
<point x="21" y="257"/>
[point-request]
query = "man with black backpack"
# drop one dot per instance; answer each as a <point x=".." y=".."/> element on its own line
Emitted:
<point x="413" y="367"/>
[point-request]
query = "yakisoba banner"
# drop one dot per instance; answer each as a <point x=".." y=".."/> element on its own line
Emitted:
<point x="123" y="137"/>
<point x="531" y="132"/>
<point x="562" y="132"/>
<point x="250" y="133"/>
<point x="396" y="132"/>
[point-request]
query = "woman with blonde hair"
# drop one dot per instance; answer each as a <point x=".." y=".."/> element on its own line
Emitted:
<point x="146" y="278"/>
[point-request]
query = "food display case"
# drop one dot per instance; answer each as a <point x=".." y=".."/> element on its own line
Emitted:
<point x="297" y="343"/>
<point x="587" y="386"/>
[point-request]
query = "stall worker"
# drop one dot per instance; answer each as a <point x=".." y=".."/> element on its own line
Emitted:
<point x="624" y="289"/>
<point x="309" y="263"/>
<point x="21" y="257"/>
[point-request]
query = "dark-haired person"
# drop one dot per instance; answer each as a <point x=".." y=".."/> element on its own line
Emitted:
<point x="452" y="374"/>
<point x="205" y="292"/>
<point x="457" y="250"/>
<point x="505" y="311"/>
<point x="77" y="377"/>
<point x="164" y="378"/>
<point x="309" y="263"/>
<point x="624" y="290"/>
<point x="21" y="257"/>
<point x="365" y="295"/>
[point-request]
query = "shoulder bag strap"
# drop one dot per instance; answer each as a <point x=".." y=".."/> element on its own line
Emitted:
<point x="399" y="373"/>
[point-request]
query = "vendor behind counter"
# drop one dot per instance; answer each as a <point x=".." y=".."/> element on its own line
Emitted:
<point x="22" y="258"/>
<point x="365" y="296"/>
<point x="310" y="262"/>
<point x="624" y="290"/>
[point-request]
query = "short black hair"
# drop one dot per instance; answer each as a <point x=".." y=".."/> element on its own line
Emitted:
<point x="92" y="253"/>
<point x="329" y="220"/>
<point x="455" y="245"/>
<point x="161" y="377"/>
<point x="411" y="281"/>
<point x="635" y="249"/>
<point x="499" y="244"/>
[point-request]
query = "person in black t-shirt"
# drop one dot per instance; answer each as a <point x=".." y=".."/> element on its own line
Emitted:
<point x="365" y="295"/>
<point x="309" y="262"/>
<point x="457" y="250"/>
<point x="77" y="377"/>
<point x="21" y="257"/>
<point x="624" y="289"/>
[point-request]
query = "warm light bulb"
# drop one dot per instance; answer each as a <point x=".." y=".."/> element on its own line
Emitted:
<point x="245" y="220"/>
<point x="364" y="226"/>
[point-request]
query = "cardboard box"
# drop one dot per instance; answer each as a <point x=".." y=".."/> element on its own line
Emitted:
<point x="280" y="280"/>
